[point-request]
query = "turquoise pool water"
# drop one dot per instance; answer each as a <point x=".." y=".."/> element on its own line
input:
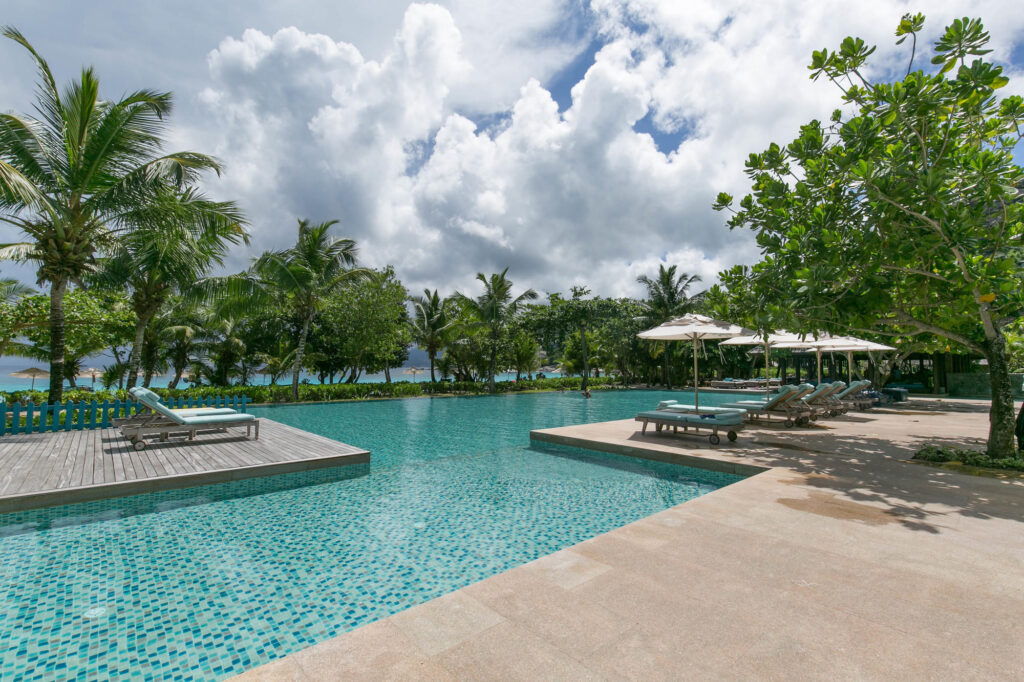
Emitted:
<point x="210" y="581"/>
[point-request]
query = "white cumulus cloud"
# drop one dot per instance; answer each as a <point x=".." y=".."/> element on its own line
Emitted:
<point x="311" y="127"/>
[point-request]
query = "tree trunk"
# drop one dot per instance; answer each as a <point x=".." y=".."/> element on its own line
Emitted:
<point x="1020" y="429"/>
<point x="135" y="359"/>
<point x="387" y="374"/>
<point x="586" y="359"/>
<point x="494" y="361"/>
<point x="299" y="350"/>
<point x="57" y="291"/>
<point x="432" y="379"/>
<point x="1000" y="416"/>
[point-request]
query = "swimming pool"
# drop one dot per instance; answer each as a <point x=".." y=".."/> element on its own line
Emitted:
<point x="207" y="582"/>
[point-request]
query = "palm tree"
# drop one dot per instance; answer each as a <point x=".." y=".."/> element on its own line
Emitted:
<point x="299" y="279"/>
<point x="429" y="322"/>
<point x="181" y="349"/>
<point x="169" y="250"/>
<point x="494" y="309"/>
<point x="667" y="297"/>
<point x="11" y="290"/>
<point x="75" y="177"/>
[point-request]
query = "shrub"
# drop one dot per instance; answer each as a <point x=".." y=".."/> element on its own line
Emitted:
<point x="328" y="392"/>
<point x="934" y="453"/>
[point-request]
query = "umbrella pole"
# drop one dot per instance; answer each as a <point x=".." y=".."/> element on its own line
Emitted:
<point x="767" y="382"/>
<point x="818" y="353"/>
<point x="849" y="367"/>
<point x="696" y="388"/>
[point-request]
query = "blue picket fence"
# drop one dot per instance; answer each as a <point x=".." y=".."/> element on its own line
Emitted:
<point x="76" y="416"/>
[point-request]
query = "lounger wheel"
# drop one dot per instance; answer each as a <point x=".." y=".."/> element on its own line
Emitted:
<point x="803" y="421"/>
<point x="715" y="440"/>
<point x="732" y="436"/>
<point x="139" y="444"/>
<point x="789" y="423"/>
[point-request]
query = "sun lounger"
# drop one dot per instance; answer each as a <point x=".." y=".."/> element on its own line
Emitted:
<point x="147" y="415"/>
<point x="833" y="405"/>
<point x="673" y="406"/>
<point x="854" y="396"/>
<point x="820" y="400"/>
<point x="165" y="421"/>
<point x="731" y="422"/>
<point x="785" y="403"/>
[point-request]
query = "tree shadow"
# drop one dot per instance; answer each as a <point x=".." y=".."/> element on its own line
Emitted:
<point x="868" y="478"/>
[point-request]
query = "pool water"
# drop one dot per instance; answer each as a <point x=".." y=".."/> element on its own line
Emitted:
<point x="207" y="582"/>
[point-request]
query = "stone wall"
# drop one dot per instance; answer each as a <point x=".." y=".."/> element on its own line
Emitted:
<point x="975" y="385"/>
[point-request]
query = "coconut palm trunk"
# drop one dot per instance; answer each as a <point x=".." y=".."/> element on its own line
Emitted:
<point x="57" y="291"/>
<point x="135" y="358"/>
<point x="299" y="352"/>
<point x="586" y="358"/>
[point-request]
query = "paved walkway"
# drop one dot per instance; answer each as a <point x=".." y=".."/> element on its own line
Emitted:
<point x="43" y="469"/>
<point x="840" y="561"/>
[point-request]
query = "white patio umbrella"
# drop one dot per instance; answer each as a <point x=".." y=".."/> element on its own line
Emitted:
<point x="694" y="328"/>
<point x="766" y="342"/>
<point x="839" y="344"/>
<point x="32" y="373"/>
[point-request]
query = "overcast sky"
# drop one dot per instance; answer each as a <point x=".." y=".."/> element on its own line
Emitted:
<point x="574" y="141"/>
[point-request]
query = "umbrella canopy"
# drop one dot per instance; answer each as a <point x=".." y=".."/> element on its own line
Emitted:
<point x="694" y="328"/>
<point x="32" y="373"/>
<point x="838" y="344"/>
<point x="767" y="342"/>
<point x="414" y="371"/>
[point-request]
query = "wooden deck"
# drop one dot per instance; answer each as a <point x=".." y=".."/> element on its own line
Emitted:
<point x="44" y="469"/>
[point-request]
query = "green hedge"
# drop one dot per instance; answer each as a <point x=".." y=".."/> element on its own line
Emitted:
<point x="328" y="392"/>
<point x="933" y="453"/>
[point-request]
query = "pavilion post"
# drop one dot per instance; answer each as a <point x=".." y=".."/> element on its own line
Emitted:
<point x="696" y="387"/>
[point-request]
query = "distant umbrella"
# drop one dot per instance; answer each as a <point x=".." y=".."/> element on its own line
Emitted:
<point x="90" y="373"/>
<point x="414" y="371"/>
<point x="32" y="373"/>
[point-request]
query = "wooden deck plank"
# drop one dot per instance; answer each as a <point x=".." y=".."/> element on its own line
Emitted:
<point x="66" y="466"/>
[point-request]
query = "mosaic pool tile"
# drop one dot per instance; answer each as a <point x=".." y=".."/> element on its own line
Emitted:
<point x="207" y="582"/>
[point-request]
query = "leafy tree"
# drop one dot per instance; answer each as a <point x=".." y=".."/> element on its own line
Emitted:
<point x="525" y="354"/>
<point x="668" y="297"/>
<point x="89" y="319"/>
<point x="174" y="243"/>
<point x="902" y="216"/>
<point x="429" y="322"/>
<point x="369" y="316"/>
<point x="79" y="174"/>
<point x="299" y="280"/>
<point x="494" y="310"/>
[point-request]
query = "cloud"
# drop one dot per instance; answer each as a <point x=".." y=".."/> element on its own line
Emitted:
<point x="310" y="126"/>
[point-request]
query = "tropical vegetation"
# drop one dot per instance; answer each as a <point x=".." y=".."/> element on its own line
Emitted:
<point x="898" y="219"/>
<point x="900" y="216"/>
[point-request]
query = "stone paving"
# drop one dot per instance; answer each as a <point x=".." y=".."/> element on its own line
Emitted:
<point x="840" y="560"/>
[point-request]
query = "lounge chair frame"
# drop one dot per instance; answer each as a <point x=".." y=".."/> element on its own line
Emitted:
<point x="162" y="421"/>
<point x="136" y="433"/>
<point x="661" y="422"/>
